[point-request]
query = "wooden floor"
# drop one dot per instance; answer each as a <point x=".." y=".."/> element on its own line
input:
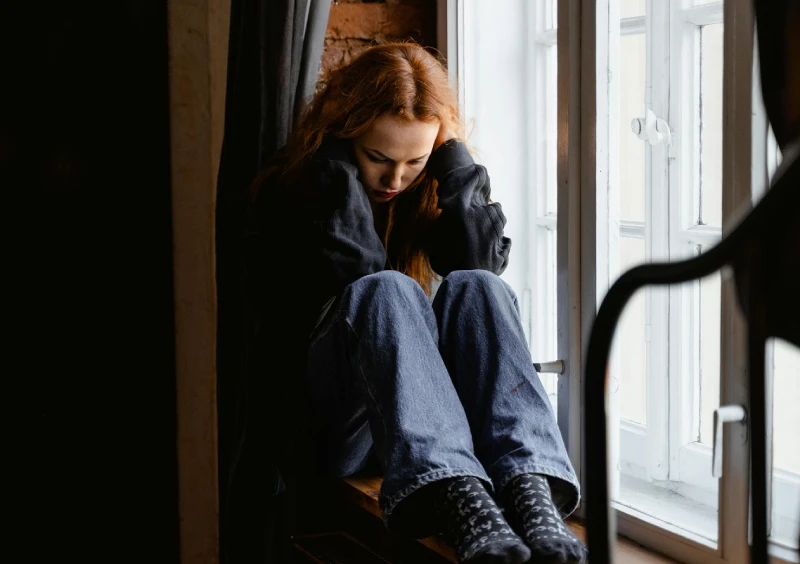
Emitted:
<point x="363" y="491"/>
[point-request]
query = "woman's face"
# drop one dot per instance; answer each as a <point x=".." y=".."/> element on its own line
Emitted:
<point x="392" y="153"/>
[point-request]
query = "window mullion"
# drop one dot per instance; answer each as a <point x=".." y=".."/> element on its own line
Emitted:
<point x="571" y="279"/>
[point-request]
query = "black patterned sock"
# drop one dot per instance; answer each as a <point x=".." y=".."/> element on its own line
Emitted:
<point x="476" y="525"/>
<point x="530" y="509"/>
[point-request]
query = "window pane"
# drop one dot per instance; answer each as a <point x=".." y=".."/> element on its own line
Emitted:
<point x="699" y="2"/>
<point x="550" y="132"/>
<point x="545" y="345"/>
<point x="551" y="14"/>
<point x="631" y="105"/>
<point x="786" y="454"/>
<point x="632" y="368"/>
<point x="631" y="8"/>
<point x="709" y="347"/>
<point x="711" y="124"/>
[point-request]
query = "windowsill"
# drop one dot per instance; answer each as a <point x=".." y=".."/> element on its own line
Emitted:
<point x="668" y="510"/>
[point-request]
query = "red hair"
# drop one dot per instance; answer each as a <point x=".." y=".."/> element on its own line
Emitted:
<point x="397" y="79"/>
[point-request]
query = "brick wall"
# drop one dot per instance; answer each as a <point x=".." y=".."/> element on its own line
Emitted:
<point x="356" y="24"/>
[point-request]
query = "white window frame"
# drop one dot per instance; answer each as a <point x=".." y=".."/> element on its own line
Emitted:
<point x="581" y="279"/>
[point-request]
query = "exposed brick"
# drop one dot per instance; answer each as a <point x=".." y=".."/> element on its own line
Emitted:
<point x="339" y="52"/>
<point x="367" y="21"/>
<point x="355" y="24"/>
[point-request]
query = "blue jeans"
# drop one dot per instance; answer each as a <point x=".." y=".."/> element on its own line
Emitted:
<point x="434" y="390"/>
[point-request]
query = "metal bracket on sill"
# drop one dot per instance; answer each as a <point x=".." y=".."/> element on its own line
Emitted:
<point x="551" y="367"/>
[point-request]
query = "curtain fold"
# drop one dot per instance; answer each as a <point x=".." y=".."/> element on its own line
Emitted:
<point x="274" y="54"/>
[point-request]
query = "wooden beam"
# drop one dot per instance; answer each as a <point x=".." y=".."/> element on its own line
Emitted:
<point x="198" y="45"/>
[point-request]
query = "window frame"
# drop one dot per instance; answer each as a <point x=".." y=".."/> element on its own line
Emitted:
<point x="671" y="453"/>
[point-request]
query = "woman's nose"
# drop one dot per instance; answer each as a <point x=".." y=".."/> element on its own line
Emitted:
<point x="393" y="180"/>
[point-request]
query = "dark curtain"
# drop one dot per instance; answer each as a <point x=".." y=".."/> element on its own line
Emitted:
<point x="273" y="62"/>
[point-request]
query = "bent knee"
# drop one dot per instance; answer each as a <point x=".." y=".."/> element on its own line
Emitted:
<point x="387" y="295"/>
<point x="386" y="281"/>
<point x="475" y="278"/>
<point x="385" y="286"/>
<point x="481" y="281"/>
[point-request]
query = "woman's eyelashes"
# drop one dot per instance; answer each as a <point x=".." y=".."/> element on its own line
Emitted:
<point x="381" y="160"/>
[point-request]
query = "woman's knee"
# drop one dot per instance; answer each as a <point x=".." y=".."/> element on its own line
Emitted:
<point x="476" y="279"/>
<point x="386" y="291"/>
<point x="385" y="283"/>
<point x="469" y="281"/>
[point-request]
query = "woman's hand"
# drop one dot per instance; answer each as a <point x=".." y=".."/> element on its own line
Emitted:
<point x="443" y="136"/>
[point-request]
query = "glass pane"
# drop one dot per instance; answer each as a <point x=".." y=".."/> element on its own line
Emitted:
<point x="632" y="359"/>
<point x="631" y="8"/>
<point x="551" y="127"/>
<point x="709" y="347"/>
<point x="631" y="105"/>
<point x="699" y="2"/>
<point x="785" y="454"/>
<point x="551" y="14"/>
<point x="711" y="124"/>
<point x="545" y="342"/>
<point x="683" y="498"/>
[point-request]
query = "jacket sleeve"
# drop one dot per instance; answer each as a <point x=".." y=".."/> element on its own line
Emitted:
<point x="468" y="233"/>
<point x="343" y="237"/>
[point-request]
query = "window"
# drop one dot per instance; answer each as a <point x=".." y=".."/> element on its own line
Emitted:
<point x="665" y="203"/>
<point x="635" y="162"/>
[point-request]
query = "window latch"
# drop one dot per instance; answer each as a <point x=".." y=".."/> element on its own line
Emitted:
<point x="723" y="414"/>
<point x="651" y="129"/>
<point x="552" y="367"/>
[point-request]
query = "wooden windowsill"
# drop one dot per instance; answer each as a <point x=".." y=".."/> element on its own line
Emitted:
<point x="363" y="491"/>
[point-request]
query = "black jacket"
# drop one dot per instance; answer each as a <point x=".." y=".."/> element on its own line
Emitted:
<point x="327" y="236"/>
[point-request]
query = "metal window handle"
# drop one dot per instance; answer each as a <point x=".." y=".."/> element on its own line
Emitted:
<point x="552" y="367"/>
<point x="652" y="129"/>
<point x="723" y="414"/>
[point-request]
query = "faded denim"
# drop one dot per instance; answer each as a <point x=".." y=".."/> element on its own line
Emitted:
<point x="435" y="390"/>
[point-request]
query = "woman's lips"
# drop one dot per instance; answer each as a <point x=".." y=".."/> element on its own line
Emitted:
<point x="386" y="195"/>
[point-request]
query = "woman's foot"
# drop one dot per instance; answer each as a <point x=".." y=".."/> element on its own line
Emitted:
<point x="476" y="525"/>
<point x="530" y="509"/>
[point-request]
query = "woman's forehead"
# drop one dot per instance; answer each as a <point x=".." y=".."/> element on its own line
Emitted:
<point x="399" y="138"/>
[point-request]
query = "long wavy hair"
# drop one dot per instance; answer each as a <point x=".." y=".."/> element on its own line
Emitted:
<point x="397" y="79"/>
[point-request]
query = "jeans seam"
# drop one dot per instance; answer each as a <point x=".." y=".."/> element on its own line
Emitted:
<point x="388" y="503"/>
<point x="539" y="469"/>
<point x="546" y="471"/>
<point x="362" y="375"/>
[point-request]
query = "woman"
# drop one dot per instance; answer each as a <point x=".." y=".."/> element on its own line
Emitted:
<point x="380" y="196"/>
